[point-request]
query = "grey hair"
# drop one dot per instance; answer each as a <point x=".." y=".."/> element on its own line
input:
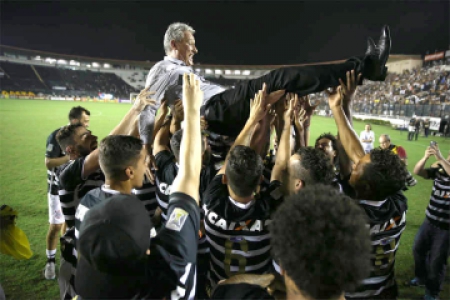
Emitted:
<point x="386" y="136"/>
<point x="175" y="32"/>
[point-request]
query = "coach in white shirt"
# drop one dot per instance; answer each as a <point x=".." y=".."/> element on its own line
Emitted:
<point x="367" y="137"/>
<point x="227" y="110"/>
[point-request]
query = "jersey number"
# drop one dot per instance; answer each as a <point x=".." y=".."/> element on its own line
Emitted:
<point x="229" y="256"/>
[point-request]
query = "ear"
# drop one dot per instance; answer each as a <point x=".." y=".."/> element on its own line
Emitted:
<point x="224" y="179"/>
<point x="129" y="172"/>
<point x="334" y="153"/>
<point x="298" y="185"/>
<point x="173" y="44"/>
<point x="69" y="150"/>
<point x="261" y="180"/>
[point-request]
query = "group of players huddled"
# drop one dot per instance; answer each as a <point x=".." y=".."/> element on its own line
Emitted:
<point x="186" y="213"/>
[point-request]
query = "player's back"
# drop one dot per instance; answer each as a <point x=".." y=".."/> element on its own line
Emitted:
<point x="387" y="222"/>
<point x="237" y="233"/>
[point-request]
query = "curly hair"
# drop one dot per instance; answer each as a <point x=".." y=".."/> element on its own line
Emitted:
<point x="314" y="167"/>
<point x="244" y="170"/>
<point x="330" y="136"/>
<point x="319" y="237"/>
<point x="384" y="175"/>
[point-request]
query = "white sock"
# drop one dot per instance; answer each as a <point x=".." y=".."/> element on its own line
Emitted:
<point x="51" y="254"/>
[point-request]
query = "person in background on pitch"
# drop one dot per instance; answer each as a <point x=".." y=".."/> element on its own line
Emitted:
<point x="432" y="243"/>
<point x="426" y="127"/>
<point x="367" y="137"/>
<point x="54" y="158"/>
<point x="417" y="127"/>
<point x="385" y="143"/>
<point x="411" y="128"/>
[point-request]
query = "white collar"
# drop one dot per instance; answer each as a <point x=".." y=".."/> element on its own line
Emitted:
<point x="372" y="203"/>
<point x="106" y="189"/>
<point x="174" y="60"/>
<point x="242" y="205"/>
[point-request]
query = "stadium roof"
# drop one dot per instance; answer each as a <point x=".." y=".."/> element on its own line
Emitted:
<point x="34" y="53"/>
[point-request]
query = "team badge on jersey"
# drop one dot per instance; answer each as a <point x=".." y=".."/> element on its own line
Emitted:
<point x="50" y="147"/>
<point x="177" y="219"/>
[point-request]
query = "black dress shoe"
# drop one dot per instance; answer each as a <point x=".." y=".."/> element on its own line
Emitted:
<point x="377" y="56"/>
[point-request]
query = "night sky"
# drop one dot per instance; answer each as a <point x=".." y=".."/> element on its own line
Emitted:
<point x="269" y="32"/>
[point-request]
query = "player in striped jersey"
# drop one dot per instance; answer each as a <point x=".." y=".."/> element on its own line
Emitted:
<point x="147" y="194"/>
<point x="236" y="223"/>
<point x="377" y="180"/>
<point x="162" y="267"/>
<point x="432" y="243"/>
<point x="326" y="267"/>
<point x="54" y="158"/>
<point x="122" y="160"/>
<point x="167" y="169"/>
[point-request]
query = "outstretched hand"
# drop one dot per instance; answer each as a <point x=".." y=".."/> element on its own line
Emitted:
<point x="192" y="95"/>
<point x="349" y="89"/>
<point x="258" y="106"/>
<point x="335" y="97"/>
<point x="143" y="99"/>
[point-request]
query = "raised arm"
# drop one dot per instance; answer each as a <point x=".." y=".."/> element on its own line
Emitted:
<point x="299" y="121"/>
<point x="419" y="168"/>
<point x="258" y="110"/>
<point x="284" y="148"/>
<point x="162" y="138"/>
<point x="188" y="178"/>
<point x="349" y="91"/>
<point x="125" y="125"/>
<point x="91" y="163"/>
<point x="348" y="136"/>
<point x="178" y="117"/>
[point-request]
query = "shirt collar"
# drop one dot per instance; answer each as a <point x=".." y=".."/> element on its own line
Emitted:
<point x="242" y="205"/>
<point x="372" y="203"/>
<point x="174" y="60"/>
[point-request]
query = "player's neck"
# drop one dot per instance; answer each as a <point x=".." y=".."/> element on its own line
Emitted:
<point x="124" y="187"/>
<point x="236" y="198"/>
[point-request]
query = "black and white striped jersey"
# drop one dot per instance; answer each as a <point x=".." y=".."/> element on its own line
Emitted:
<point x="387" y="222"/>
<point x="438" y="210"/>
<point x="237" y="233"/>
<point x="53" y="150"/>
<point x="73" y="187"/>
<point x="147" y="195"/>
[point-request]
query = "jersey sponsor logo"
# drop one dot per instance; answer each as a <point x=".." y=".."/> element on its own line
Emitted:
<point x="389" y="225"/>
<point x="177" y="219"/>
<point x="50" y="147"/>
<point x="257" y="225"/>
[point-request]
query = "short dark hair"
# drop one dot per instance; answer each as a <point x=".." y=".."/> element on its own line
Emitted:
<point x="385" y="174"/>
<point x="243" y="170"/>
<point x="65" y="135"/>
<point x="116" y="152"/>
<point x="77" y="111"/>
<point x="314" y="167"/>
<point x="319" y="237"/>
<point x="175" y="143"/>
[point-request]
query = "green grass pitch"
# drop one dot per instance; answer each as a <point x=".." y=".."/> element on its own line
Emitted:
<point x="25" y="125"/>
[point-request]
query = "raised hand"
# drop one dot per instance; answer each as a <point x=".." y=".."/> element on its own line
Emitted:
<point x="258" y="106"/>
<point x="349" y="89"/>
<point x="164" y="109"/>
<point x="300" y="117"/>
<point x="292" y="100"/>
<point x="309" y="109"/>
<point x="335" y="97"/>
<point x="143" y="99"/>
<point x="192" y="95"/>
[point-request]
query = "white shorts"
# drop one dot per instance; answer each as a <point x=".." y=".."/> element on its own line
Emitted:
<point x="55" y="214"/>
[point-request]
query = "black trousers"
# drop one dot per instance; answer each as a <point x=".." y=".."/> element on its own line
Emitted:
<point x="228" y="111"/>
